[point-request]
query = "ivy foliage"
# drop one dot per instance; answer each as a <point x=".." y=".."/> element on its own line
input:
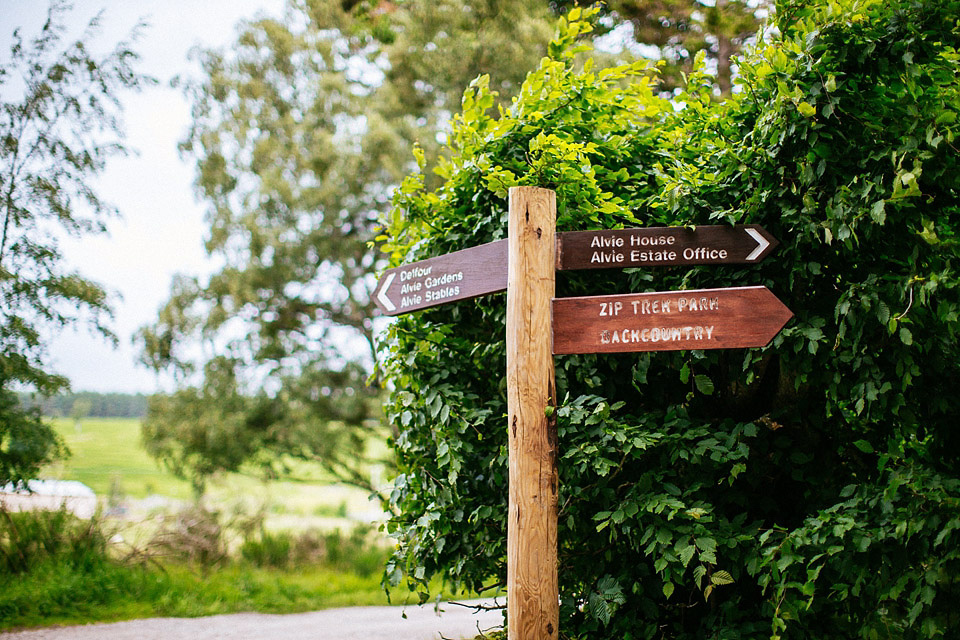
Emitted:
<point x="808" y="489"/>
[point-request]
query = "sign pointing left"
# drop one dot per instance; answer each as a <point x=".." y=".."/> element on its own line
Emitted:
<point x="451" y="277"/>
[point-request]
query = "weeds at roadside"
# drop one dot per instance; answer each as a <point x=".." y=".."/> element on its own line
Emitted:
<point x="59" y="569"/>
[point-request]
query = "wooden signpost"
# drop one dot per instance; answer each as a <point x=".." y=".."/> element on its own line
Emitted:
<point x="540" y="325"/>
<point x="532" y="586"/>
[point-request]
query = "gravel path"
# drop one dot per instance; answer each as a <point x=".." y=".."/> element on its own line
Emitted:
<point x="354" y="623"/>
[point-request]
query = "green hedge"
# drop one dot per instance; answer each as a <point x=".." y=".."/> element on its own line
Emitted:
<point x="810" y="489"/>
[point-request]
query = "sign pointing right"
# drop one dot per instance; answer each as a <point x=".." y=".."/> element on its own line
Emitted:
<point x="733" y="318"/>
<point x="663" y="246"/>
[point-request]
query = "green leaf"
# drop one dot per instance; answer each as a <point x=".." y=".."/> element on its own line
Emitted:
<point x="906" y="337"/>
<point x="864" y="446"/>
<point x="946" y="116"/>
<point x="698" y="574"/>
<point x="807" y="110"/>
<point x="705" y="544"/>
<point x="704" y="384"/>
<point x="668" y="588"/>
<point x="721" y="577"/>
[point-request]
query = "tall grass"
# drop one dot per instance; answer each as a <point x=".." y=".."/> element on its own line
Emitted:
<point x="54" y="566"/>
<point x="57" y="569"/>
<point x="30" y="540"/>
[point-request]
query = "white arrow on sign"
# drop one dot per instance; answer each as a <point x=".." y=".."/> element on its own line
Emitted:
<point x="762" y="243"/>
<point x="382" y="294"/>
<point x="460" y="275"/>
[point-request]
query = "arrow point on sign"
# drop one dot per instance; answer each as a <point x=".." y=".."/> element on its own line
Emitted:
<point x="382" y="294"/>
<point x="762" y="244"/>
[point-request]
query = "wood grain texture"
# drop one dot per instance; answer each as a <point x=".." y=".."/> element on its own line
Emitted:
<point x="532" y="589"/>
<point x="733" y="318"/>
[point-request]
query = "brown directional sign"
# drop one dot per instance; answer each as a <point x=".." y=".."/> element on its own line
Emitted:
<point x="483" y="269"/>
<point x="663" y="246"/>
<point x="454" y="276"/>
<point x="733" y="318"/>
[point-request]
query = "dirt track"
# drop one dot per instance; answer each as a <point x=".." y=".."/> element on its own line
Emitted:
<point x="354" y="623"/>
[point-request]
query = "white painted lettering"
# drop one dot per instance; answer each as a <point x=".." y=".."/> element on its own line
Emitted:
<point x="651" y="241"/>
<point x="606" y="257"/>
<point x="599" y="241"/>
<point x="653" y="256"/>
<point x="445" y="279"/>
<point x="434" y="295"/>
<point x="704" y="253"/>
<point x="415" y="272"/>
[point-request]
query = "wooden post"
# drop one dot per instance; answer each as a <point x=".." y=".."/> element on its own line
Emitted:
<point x="532" y="590"/>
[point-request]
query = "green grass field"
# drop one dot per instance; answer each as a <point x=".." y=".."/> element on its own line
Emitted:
<point x="105" y="450"/>
<point x="107" y="455"/>
<point x="57" y="595"/>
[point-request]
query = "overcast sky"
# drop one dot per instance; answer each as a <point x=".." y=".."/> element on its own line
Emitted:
<point x="162" y="229"/>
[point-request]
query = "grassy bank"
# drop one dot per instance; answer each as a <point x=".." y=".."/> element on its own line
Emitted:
<point x="59" y="569"/>
<point x="57" y="594"/>
<point x="272" y="548"/>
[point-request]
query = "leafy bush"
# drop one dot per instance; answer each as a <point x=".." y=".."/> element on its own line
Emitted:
<point x="808" y="489"/>
<point x="268" y="549"/>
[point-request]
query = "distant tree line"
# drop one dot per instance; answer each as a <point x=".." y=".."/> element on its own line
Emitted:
<point x="101" y="405"/>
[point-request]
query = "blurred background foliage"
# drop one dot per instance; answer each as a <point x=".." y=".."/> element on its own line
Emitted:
<point x="301" y="133"/>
